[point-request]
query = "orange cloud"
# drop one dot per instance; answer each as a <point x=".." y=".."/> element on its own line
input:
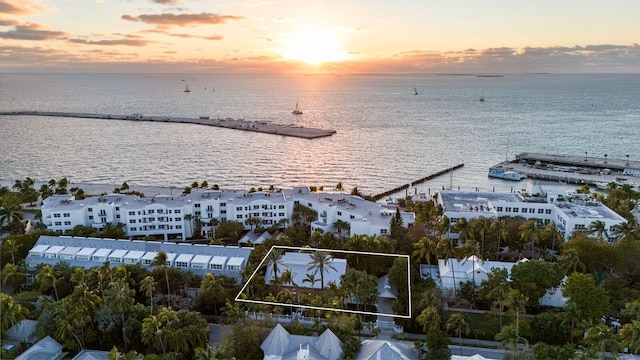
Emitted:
<point x="168" y="20"/>
<point x="20" y="7"/>
<point x="33" y="32"/>
<point x="125" y="42"/>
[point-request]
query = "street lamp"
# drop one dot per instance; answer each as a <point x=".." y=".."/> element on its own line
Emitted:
<point x="605" y="158"/>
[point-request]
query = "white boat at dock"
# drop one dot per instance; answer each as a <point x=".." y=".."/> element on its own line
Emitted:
<point x="506" y="174"/>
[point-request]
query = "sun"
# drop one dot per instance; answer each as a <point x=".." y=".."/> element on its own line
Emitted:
<point x="313" y="47"/>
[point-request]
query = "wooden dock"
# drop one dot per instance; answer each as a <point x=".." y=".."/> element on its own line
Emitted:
<point x="228" y="123"/>
<point x="419" y="181"/>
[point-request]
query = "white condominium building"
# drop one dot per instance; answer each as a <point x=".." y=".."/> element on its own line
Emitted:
<point x="174" y="217"/>
<point x="570" y="212"/>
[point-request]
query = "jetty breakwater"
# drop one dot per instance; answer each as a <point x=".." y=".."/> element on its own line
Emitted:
<point x="265" y="127"/>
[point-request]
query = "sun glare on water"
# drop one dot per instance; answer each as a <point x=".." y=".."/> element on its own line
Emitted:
<point x="313" y="47"/>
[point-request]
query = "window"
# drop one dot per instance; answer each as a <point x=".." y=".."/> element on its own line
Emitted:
<point x="256" y="214"/>
<point x="134" y="229"/>
<point x="132" y="221"/>
<point x="177" y="219"/>
<point x="223" y="211"/>
<point x="56" y="215"/>
<point x="67" y="223"/>
<point x="238" y="216"/>
<point x="160" y="211"/>
<point x="499" y="208"/>
<point x="223" y="204"/>
<point x="117" y="208"/>
<point x="196" y="205"/>
<point x="178" y="227"/>
<point x="309" y="205"/>
<point x="547" y="211"/>
<point x="507" y="209"/>
<point x="280" y="206"/>
<point x="181" y="264"/>
<point x="151" y="211"/>
<point x="239" y="208"/>
<point x="579" y="226"/>
<point x="67" y="215"/>
<point x="256" y="207"/>
<point x="177" y="211"/>
<point x="90" y="217"/>
<point x="58" y="223"/>
<point x="132" y="213"/>
<point x="384" y="231"/>
<point x="89" y="209"/>
<point x="532" y="211"/>
<point x="339" y="213"/>
<point x="197" y="214"/>
<point x="216" y="266"/>
<point x="118" y="216"/>
<point x="352" y="217"/>
<point x="540" y="211"/>
<point x="515" y="210"/>
<point x="265" y="207"/>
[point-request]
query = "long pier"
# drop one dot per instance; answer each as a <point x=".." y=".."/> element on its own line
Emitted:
<point x="419" y="181"/>
<point x="265" y="127"/>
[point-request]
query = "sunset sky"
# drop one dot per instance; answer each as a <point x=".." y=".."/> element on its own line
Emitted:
<point x="320" y="36"/>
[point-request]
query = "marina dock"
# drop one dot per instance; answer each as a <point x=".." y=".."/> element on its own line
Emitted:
<point x="576" y="169"/>
<point x="265" y="127"/>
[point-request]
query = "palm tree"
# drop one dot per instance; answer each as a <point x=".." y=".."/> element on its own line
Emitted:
<point x="624" y="231"/>
<point x="480" y="227"/>
<point x="446" y="249"/>
<point x="571" y="314"/>
<point x="339" y="187"/>
<point x="470" y="248"/>
<point x="82" y="303"/>
<point x="274" y="258"/>
<point x="12" y="312"/>
<point x="79" y="277"/>
<point x="160" y="261"/>
<point x="341" y="227"/>
<point x="571" y="262"/>
<point x="12" y="274"/>
<point x="632" y="310"/>
<point x="48" y="278"/>
<point x="10" y="212"/>
<point x="463" y="228"/>
<point x="120" y="298"/>
<point x="425" y="248"/>
<point x="529" y="232"/>
<point x="497" y="228"/>
<point x="287" y="278"/>
<point x="311" y="278"/>
<point x="601" y="337"/>
<point x="148" y="285"/>
<point x="552" y="232"/>
<point x="429" y="318"/>
<point x="458" y="324"/>
<point x="517" y="303"/>
<point x="509" y="336"/>
<point x="210" y="283"/>
<point x="234" y="312"/>
<point x="443" y="226"/>
<point x="321" y="261"/>
<point x="630" y="336"/>
<point x="599" y="228"/>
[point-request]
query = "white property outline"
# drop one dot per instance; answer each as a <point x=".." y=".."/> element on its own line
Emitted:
<point x="408" y="316"/>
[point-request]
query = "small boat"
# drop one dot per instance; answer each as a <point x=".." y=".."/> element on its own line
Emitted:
<point x="506" y="175"/>
<point x="415" y="91"/>
<point x="481" y="98"/>
<point x="187" y="89"/>
<point x="296" y="111"/>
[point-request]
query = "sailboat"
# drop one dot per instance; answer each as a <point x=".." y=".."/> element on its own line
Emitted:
<point x="187" y="89"/>
<point x="415" y="91"/>
<point x="481" y="97"/>
<point x="501" y="172"/>
<point x="296" y="111"/>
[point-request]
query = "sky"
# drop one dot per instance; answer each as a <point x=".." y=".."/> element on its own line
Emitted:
<point x="320" y="36"/>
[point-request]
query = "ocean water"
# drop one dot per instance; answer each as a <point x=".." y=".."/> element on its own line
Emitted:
<point x="386" y="136"/>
